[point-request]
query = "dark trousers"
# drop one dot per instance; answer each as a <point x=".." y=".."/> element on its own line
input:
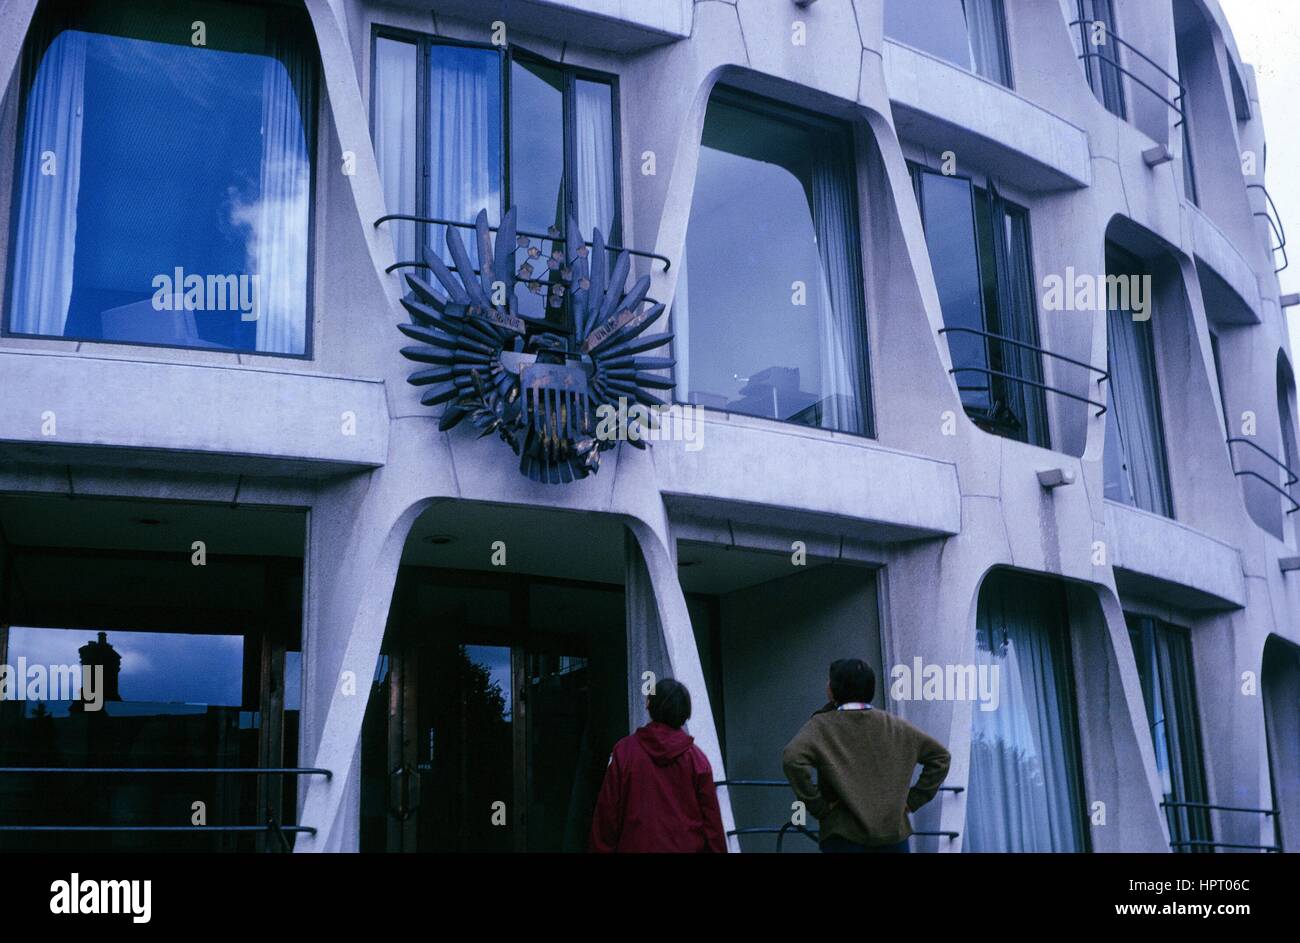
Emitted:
<point x="834" y="844"/>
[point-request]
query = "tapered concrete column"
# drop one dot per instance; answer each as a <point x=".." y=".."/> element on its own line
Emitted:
<point x="646" y="651"/>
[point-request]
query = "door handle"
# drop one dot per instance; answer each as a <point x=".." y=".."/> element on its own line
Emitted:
<point x="404" y="792"/>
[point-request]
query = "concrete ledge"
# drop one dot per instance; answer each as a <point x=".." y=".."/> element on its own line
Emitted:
<point x="618" y="25"/>
<point x="1216" y="252"/>
<point x="162" y="415"/>
<point x="775" y="474"/>
<point x="985" y="123"/>
<point x="1163" y="560"/>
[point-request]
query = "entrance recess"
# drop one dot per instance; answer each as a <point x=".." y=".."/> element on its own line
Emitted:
<point x="493" y="713"/>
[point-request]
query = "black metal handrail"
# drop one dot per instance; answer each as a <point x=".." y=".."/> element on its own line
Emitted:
<point x="1274" y="223"/>
<point x="436" y="221"/>
<point x="1246" y="472"/>
<point x="177" y="771"/>
<point x="1175" y="103"/>
<point x="1015" y="378"/>
<point x="1295" y="506"/>
<point x="1291" y="475"/>
<point x="781" y="830"/>
<point x="1199" y="843"/>
<point x="307" y="829"/>
<point x="1218" y="808"/>
<point x="272" y="826"/>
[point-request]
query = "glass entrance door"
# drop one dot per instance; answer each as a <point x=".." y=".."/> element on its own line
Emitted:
<point x="491" y="746"/>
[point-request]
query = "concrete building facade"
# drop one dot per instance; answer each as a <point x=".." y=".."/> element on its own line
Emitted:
<point x="1092" y="498"/>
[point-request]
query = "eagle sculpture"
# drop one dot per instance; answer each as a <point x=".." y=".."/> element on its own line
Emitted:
<point x="516" y="375"/>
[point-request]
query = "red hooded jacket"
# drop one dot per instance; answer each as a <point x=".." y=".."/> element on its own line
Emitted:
<point x="658" y="795"/>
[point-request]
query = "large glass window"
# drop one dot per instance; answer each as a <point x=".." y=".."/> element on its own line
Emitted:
<point x="768" y="313"/>
<point x="1024" y="792"/>
<point x="442" y="114"/>
<point x="1135" y="468"/>
<point x="1164" y="663"/>
<point x="979" y="251"/>
<point x="163" y="184"/>
<point x="968" y="33"/>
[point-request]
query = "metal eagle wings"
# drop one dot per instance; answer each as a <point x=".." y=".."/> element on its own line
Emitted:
<point x="539" y="389"/>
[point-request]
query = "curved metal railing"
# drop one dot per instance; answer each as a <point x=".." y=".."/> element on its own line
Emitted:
<point x="1274" y="218"/>
<point x="1175" y="103"/>
<point x="1027" y="381"/>
<point x="272" y="827"/>
<point x="1283" y="490"/>
<point x="459" y="224"/>
<point x="1206" y="843"/>
<point x="780" y="831"/>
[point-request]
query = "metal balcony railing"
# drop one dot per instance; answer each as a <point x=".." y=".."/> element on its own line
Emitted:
<point x="1175" y="103"/>
<point x="1274" y="218"/>
<point x="1291" y="477"/>
<point x="551" y="237"/>
<point x="1026" y="381"/>
<point x="1199" y="843"/>
<point x="780" y="831"/>
<point x="272" y="827"/>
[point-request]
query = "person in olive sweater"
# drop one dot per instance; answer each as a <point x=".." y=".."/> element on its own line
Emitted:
<point x="863" y="759"/>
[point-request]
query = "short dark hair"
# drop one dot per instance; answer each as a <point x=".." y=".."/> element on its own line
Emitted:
<point x="670" y="703"/>
<point x="852" y="680"/>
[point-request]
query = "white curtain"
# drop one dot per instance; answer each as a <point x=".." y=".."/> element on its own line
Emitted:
<point x="395" y="143"/>
<point x="464" y="140"/>
<point x="988" y="52"/>
<point x="1023" y="782"/>
<point x="278" y="221"/>
<point x="50" y="168"/>
<point x="1136" y="474"/>
<point x="843" y="337"/>
<point x="594" y="159"/>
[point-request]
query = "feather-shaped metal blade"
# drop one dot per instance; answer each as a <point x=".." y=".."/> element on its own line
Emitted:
<point x="614" y="343"/>
<point x="451" y="417"/>
<point x="486" y="257"/>
<point x="504" y="258"/>
<point x="425" y="292"/>
<point x="445" y="276"/>
<point x="617" y="281"/>
<point x="466" y="269"/>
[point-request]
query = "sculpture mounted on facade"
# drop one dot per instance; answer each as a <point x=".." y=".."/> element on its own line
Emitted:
<point x="539" y="387"/>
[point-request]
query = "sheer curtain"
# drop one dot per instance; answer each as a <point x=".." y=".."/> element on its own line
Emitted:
<point x="843" y="334"/>
<point x="278" y="243"/>
<point x="985" y="25"/>
<point x="395" y="143"/>
<point x="594" y="157"/>
<point x="46" y="238"/>
<point x="1023" y="793"/>
<point x="1133" y="419"/>
<point x="464" y="140"/>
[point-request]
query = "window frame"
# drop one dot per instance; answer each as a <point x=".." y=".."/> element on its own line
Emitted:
<point x="775" y="109"/>
<point x="1141" y="625"/>
<point x="29" y="62"/>
<point x="507" y="56"/>
<point x="1134" y="265"/>
<point x="994" y="198"/>
<point x="1094" y="68"/>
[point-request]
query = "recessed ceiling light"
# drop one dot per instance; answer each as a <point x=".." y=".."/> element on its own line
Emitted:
<point x="440" y="540"/>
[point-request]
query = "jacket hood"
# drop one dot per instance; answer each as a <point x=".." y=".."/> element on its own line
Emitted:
<point x="662" y="743"/>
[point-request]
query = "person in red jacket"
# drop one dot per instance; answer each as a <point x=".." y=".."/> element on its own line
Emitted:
<point x="658" y="793"/>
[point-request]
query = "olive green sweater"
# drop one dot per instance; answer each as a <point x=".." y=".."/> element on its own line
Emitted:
<point x="863" y="760"/>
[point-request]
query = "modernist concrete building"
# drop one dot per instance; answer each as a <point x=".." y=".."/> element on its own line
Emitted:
<point x="978" y="304"/>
